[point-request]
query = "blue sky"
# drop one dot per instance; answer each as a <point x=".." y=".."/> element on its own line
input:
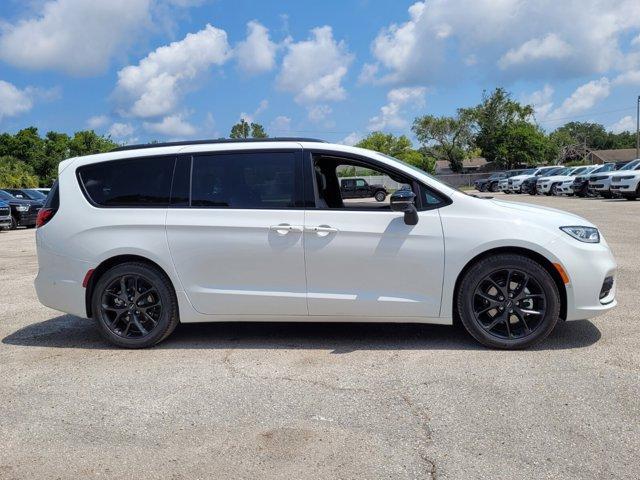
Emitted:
<point x="179" y="69"/>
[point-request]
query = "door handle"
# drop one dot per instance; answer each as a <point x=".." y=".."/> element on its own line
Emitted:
<point x="321" y="230"/>
<point x="285" y="228"/>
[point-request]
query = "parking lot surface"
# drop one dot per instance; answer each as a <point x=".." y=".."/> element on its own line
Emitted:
<point x="321" y="401"/>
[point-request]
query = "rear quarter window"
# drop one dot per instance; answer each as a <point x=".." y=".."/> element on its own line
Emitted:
<point x="136" y="182"/>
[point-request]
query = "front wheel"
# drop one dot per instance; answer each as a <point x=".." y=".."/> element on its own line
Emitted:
<point x="554" y="190"/>
<point x="380" y="196"/>
<point x="14" y="223"/>
<point x="134" y="305"/>
<point x="508" y="301"/>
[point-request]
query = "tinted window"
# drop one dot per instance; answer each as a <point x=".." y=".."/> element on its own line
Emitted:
<point x="137" y="182"/>
<point x="244" y="180"/>
<point x="6" y="196"/>
<point x="181" y="179"/>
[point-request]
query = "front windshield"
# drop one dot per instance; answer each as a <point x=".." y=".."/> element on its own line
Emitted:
<point x="554" y="171"/>
<point x="631" y="165"/>
<point x="529" y="171"/>
<point x="6" y="196"/>
<point x="35" y="194"/>
<point x="580" y="170"/>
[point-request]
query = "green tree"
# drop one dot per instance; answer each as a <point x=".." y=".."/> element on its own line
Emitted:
<point x="399" y="147"/>
<point x="87" y="142"/>
<point x="496" y="118"/>
<point x="445" y="138"/>
<point x="15" y="173"/>
<point x="524" y="143"/>
<point x="243" y="129"/>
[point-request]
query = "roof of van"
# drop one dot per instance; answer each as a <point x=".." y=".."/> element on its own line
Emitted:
<point x="219" y="140"/>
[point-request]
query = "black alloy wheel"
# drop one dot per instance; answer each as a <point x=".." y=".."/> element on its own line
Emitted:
<point x="508" y="301"/>
<point x="132" y="306"/>
<point x="493" y="187"/>
<point x="135" y="305"/>
<point x="380" y="196"/>
<point x="509" y="304"/>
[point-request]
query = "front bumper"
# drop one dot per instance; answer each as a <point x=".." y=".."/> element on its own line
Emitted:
<point x="543" y="188"/>
<point x="27" y="219"/>
<point x="600" y="185"/>
<point x="566" y="188"/>
<point x="624" y="186"/>
<point x="5" y="222"/>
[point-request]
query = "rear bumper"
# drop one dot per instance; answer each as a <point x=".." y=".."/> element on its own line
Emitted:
<point x="59" y="282"/>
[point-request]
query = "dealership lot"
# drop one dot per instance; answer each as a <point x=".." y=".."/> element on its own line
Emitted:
<point x="321" y="401"/>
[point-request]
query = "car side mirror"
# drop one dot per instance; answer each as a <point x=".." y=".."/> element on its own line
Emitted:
<point x="404" y="201"/>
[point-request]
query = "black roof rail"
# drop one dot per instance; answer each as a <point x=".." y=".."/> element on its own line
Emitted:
<point x="218" y="140"/>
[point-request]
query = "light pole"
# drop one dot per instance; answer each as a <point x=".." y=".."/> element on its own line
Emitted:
<point x="638" y="129"/>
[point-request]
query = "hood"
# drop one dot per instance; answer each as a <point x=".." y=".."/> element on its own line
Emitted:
<point x="547" y="215"/>
<point x="521" y="177"/>
<point x="24" y="201"/>
<point x="623" y="173"/>
<point x="557" y="178"/>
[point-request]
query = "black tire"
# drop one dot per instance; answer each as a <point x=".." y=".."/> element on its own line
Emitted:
<point x="493" y="187"/>
<point x="380" y="196"/>
<point x="120" y="328"/>
<point x="507" y="192"/>
<point x="630" y="197"/>
<point x="14" y="223"/>
<point x="606" y="195"/>
<point x="532" y="190"/>
<point x="507" y="334"/>
<point x="554" y="190"/>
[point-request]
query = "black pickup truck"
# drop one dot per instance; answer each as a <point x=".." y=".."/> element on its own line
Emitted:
<point x="23" y="211"/>
<point x="359" y="188"/>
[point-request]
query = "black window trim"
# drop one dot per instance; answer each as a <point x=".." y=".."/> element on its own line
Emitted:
<point x="124" y="159"/>
<point x="416" y="184"/>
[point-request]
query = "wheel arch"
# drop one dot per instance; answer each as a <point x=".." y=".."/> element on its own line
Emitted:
<point x="111" y="262"/>
<point x="533" y="255"/>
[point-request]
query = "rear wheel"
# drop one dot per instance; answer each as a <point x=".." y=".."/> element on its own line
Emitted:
<point x="135" y="305"/>
<point x="508" y="301"/>
<point x="380" y="196"/>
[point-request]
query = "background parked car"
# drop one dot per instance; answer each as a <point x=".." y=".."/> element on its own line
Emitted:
<point x="27" y="193"/>
<point x="44" y="191"/>
<point x="580" y="185"/>
<point x="5" y="215"/>
<point x="489" y="184"/>
<point x="601" y="184"/>
<point x="515" y="183"/>
<point x="529" y="184"/>
<point x="23" y="212"/>
<point x="360" y="188"/>
<point x="551" y="184"/>
<point x="625" y="184"/>
<point x="503" y="184"/>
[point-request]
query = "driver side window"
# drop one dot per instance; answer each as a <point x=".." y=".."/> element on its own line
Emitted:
<point x="342" y="183"/>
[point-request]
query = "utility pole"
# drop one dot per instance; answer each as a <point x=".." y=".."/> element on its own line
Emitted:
<point x="638" y="129"/>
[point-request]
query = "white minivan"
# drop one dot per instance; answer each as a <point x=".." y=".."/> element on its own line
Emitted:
<point x="145" y="237"/>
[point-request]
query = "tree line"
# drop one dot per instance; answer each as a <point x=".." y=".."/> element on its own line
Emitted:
<point x="499" y="129"/>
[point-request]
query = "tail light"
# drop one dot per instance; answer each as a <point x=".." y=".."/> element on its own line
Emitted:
<point x="44" y="215"/>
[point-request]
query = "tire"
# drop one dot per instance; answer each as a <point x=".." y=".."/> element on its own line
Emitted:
<point x="509" y="331"/>
<point x="116" y="322"/>
<point x="533" y="191"/>
<point x="630" y="197"/>
<point x="380" y="196"/>
<point x="14" y="223"/>
<point x="554" y="190"/>
<point x="607" y="195"/>
<point x="507" y="192"/>
<point x="493" y="187"/>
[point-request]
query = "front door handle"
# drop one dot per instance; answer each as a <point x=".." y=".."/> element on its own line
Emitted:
<point x="321" y="230"/>
<point x="285" y="228"/>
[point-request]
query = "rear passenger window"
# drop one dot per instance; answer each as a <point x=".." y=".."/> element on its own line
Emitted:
<point x="138" y="182"/>
<point x="244" y="180"/>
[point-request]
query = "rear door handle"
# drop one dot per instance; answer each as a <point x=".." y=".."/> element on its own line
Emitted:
<point x="321" y="230"/>
<point x="285" y="228"/>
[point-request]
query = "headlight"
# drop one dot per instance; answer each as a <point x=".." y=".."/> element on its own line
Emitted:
<point x="22" y="208"/>
<point x="628" y="177"/>
<point x="583" y="234"/>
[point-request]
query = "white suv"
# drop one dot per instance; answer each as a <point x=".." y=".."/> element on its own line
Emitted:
<point x="143" y="238"/>
<point x="601" y="184"/>
<point x="515" y="183"/>
<point x="560" y="182"/>
<point x="626" y="183"/>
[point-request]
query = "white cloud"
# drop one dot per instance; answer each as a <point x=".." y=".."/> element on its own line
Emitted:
<point x="120" y="130"/>
<point x="156" y="85"/>
<point x="584" y="97"/>
<point x="625" y="124"/>
<point x="541" y="100"/>
<point x="632" y="77"/>
<point x="313" y="69"/>
<point x="549" y="47"/>
<point x="250" y="117"/>
<point x="351" y="139"/>
<point x="173" y="126"/>
<point x="97" y="121"/>
<point x="78" y="37"/>
<point x="528" y="39"/>
<point x="257" y="53"/>
<point x="14" y="101"/>
<point x="280" y="125"/>
<point x="368" y="73"/>
<point x="391" y="115"/>
<point x="319" y="113"/>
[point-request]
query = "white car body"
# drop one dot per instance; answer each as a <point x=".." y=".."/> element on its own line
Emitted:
<point x="602" y="183"/>
<point x="563" y="182"/>
<point x="625" y="182"/>
<point x="234" y="265"/>
<point x="515" y="183"/>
